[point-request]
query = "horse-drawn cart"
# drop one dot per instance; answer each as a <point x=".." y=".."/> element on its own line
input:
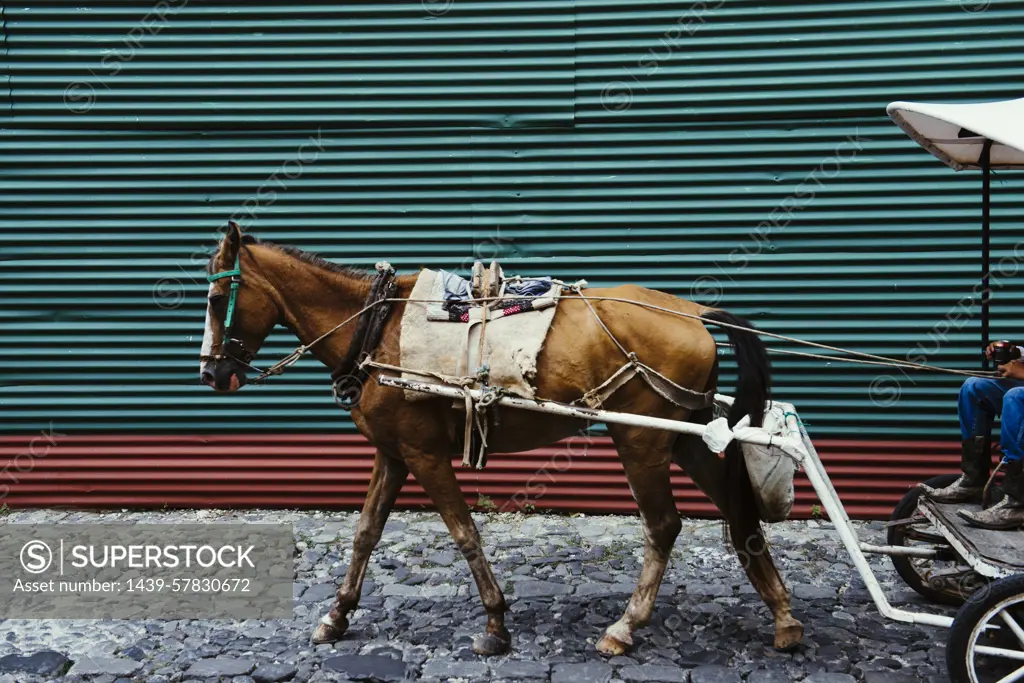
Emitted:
<point x="586" y="379"/>
<point x="932" y="548"/>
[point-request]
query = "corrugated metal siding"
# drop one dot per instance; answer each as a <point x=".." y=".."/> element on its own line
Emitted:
<point x="738" y="60"/>
<point x="188" y="65"/>
<point x="620" y="142"/>
<point x="330" y="471"/>
<point x="5" y="74"/>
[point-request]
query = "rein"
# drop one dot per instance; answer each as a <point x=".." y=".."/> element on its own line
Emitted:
<point x="349" y="375"/>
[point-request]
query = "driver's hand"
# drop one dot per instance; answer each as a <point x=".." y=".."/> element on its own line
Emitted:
<point x="1014" y="351"/>
<point x="1012" y="370"/>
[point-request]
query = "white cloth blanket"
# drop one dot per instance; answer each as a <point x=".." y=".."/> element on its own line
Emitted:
<point x="511" y="343"/>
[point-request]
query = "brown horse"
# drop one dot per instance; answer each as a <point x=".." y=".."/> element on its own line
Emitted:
<point x="285" y="286"/>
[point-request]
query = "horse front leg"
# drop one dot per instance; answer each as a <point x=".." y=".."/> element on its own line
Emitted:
<point x="386" y="481"/>
<point x="708" y="472"/>
<point x="435" y="474"/>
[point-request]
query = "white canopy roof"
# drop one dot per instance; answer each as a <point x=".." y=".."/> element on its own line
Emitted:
<point x="956" y="133"/>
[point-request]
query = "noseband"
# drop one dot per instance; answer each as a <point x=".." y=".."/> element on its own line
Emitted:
<point x="231" y="348"/>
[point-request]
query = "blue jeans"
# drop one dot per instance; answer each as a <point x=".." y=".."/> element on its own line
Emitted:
<point x="981" y="400"/>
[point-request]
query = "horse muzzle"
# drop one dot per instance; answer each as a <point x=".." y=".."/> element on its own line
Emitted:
<point x="224" y="376"/>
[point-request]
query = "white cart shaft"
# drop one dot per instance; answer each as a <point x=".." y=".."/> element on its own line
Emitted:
<point x="798" y="446"/>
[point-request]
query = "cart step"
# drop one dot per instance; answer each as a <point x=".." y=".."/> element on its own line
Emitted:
<point x="993" y="554"/>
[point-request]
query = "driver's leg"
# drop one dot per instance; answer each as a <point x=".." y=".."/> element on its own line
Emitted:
<point x="1008" y="513"/>
<point x="980" y="401"/>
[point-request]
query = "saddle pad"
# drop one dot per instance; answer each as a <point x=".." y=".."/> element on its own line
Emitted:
<point x="511" y="343"/>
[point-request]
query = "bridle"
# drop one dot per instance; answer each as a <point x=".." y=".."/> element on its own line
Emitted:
<point x="231" y="348"/>
<point x="371" y="320"/>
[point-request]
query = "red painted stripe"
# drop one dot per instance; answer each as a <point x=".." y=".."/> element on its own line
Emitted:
<point x="332" y="471"/>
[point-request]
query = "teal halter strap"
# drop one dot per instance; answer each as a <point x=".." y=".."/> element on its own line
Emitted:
<point x="230" y="347"/>
<point x="237" y="272"/>
<point x="236" y="279"/>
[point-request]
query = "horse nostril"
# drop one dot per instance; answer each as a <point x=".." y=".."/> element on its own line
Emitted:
<point x="206" y="377"/>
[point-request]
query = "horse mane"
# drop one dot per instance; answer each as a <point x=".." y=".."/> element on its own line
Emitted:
<point x="304" y="256"/>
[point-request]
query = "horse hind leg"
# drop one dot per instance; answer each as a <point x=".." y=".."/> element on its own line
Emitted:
<point x="386" y="481"/>
<point x="729" y="489"/>
<point x="646" y="457"/>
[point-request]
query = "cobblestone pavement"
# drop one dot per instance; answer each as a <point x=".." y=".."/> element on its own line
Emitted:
<point x="566" y="578"/>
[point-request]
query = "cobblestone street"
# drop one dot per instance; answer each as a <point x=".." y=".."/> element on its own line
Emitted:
<point x="566" y="579"/>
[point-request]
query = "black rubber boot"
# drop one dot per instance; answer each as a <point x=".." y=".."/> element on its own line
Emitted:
<point x="1007" y="514"/>
<point x="975" y="462"/>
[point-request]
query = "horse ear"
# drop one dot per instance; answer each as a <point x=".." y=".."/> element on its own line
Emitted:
<point x="229" y="246"/>
<point x="232" y="242"/>
<point x="234" y="235"/>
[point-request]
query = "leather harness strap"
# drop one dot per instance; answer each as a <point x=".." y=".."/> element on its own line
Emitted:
<point x="349" y="375"/>
<point x="663" y="386"/>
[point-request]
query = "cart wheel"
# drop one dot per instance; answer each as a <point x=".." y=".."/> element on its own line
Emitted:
<point x="942" y="579"/>
<point x="986" y="642"/>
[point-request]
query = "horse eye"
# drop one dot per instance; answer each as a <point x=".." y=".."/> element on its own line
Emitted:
<point x="217" y="301"/>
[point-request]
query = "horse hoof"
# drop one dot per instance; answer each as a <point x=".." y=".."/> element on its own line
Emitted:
<point x="611" y="647"/>
<point x="789" y="635"/>
<point x="325" y="634"/>
<point x="488" y="644"/>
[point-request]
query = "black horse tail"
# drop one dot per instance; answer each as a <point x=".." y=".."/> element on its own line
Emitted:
<point x="753" y="392"/>
<point x="753" y="389"/>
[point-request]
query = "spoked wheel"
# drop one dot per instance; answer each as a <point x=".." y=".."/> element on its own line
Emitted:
<point x="986" y="643"/>
<point x="944" y="578"/>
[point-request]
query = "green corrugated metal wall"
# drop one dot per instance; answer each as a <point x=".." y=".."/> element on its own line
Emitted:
<point x="615" y="141"/>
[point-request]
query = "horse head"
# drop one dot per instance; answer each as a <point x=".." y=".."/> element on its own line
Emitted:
<point x="240" y="313"/>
